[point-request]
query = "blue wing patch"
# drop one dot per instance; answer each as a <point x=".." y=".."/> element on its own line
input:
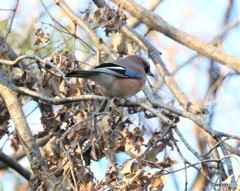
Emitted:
<point x="132" y="74"/>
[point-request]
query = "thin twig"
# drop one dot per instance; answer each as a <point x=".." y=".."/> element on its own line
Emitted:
<point x="10" y="26"/>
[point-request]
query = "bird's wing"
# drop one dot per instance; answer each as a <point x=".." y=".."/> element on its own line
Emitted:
<point x="81" y="74"/>
<point x="95" y="71"/>
<point x="117" y="70"/>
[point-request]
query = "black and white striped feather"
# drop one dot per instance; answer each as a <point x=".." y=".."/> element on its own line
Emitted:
<point x="107" y="68"/>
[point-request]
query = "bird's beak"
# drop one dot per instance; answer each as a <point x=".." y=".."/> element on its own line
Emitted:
<point x="150" y="74"/>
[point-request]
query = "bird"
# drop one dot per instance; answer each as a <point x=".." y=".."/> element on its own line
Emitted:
<point x="122" y="78"/>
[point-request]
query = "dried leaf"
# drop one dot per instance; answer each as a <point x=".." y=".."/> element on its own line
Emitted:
<point x="86" y="13"/>
<point x="112" y="20"/>
<point x="134" y="139"/>
<point x="16" y="73"/>
<point x="86" y="16"/>
<point x="15" y="142"/>
<point x="41" y="37"/>
<point x="62" y="87"/>
<point x="3" y="129"/>
<point x="158" y="182"/>
<point x="129" y="166"/>
<point x="110" y="177"/>
<point x="167" y="163"/>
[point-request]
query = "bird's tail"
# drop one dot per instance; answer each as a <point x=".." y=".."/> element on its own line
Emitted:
<point x="81" y="74"/>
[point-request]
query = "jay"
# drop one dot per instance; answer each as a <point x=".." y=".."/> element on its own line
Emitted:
<point x="121" y="79"/>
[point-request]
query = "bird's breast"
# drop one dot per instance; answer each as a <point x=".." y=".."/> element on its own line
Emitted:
<point x="112" y="86"/>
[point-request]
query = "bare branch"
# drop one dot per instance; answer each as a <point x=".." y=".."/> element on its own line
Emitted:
<point x="155" y="22"/>
<point x="13" y="16"/>
<point x="38" y="165"/>
<point x="34" y="57"/>
<point x="21" y="153"/>
<point x="12" y="163"/>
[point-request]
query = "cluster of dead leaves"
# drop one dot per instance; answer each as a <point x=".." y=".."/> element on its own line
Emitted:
<point x="109" y="18"/>
<point x="93" y="141"/>
<point x="105" y="135"/>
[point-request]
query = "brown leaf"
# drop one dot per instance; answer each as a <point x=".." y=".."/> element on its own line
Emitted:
<point x="15" y="142"/>
<point x="41" y="37"/>
<point x="62" y="87"/>
<point x="3" y="129"/>
<point x="86" y="13"/>
<point x="167" y="163"/>
<point x="129" y="166"/>
<point x="158" y="182"/>
<point x="104" y="127"/>
<point x="112" y="20"/>
<point x="89" y="186"/>
<point x="134" y="178"/>
<point x="86" y="16"/>
<point x="97" y="15"/>
<point x="134" y="139"/>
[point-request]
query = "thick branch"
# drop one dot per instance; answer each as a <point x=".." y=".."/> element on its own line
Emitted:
<point x="12" y="163"/>
<point x="155" y="22"/>
<point x="14" y="107"/>
<point x="20" y="153"/>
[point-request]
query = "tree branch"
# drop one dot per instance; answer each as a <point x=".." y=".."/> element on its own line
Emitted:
<point x="154" y="54"/>
<point x="155" y="22"/>
<point x="35" y="158"/>
<point x="34" y="57"/>
<point x="21" y="153"/>
<point x="75" y="19"/>
<point x="12" y="163"/>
